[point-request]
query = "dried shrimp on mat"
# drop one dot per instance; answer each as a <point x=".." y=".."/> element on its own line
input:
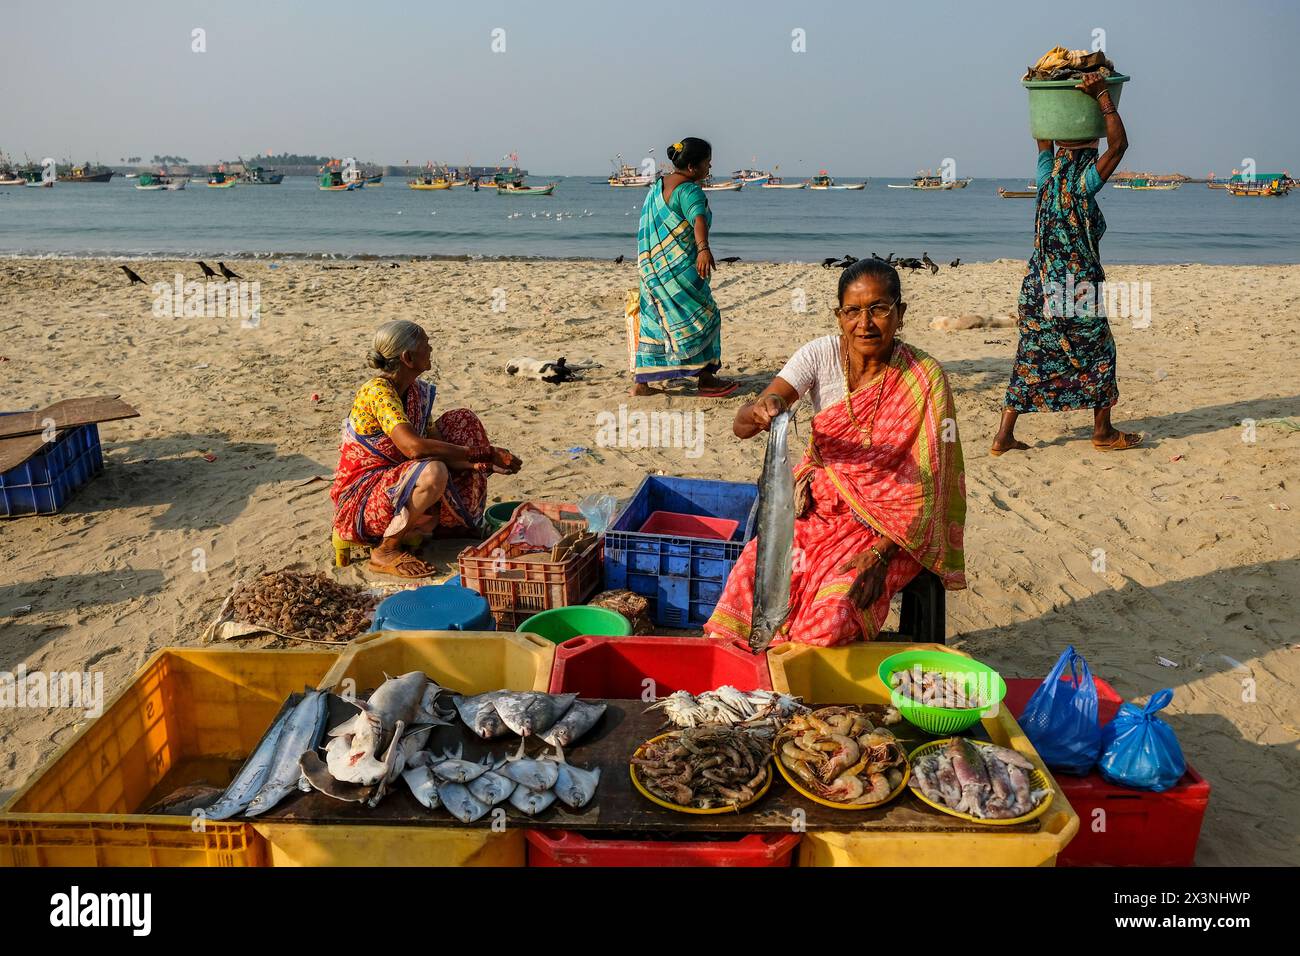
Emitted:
<point x="311" y="607"/>
<point x="838" y="758"/>
<point x="703" y="769"/>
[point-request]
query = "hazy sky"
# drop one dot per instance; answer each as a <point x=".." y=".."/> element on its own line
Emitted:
<point x="882" y="89"/>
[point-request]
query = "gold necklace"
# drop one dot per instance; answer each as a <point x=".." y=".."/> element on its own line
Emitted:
<point x="848" y="397"/>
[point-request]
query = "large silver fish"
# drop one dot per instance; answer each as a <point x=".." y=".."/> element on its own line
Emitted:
<point x="772" y="565"/>
<point x="423" y="784"/>
<point x="462" y="804"/>
<point x="299" y="736"/>
<point x="251" y="775"/>
<point x="531" y="802"/>
<point x="574" y="785"/>
<point x="577" y="720"/>
<point x="492" y="787"/>
<point x="534" y="773"/>
<point x="480" y="715"/>
<point x="531" y="712"/>
<point x="452" y="767"/>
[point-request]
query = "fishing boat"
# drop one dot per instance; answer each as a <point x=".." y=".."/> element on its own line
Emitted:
<point x="428" y="182"/>
<point x="1138" y="183"/>
<point x="153" y="182"/>
<point x="220" y="179"/>
<point x="520" y="189"/>
<point x="929" y="181"/>
<point x="260" y="176"/>
<point x="751" y="177"/>
<point x="88" y="173"/>
<point x="1029" y="192"/>
<point x="726" y="186"/>
<point x="1266" y="184"/>
<point x="629" y="176"/>
<point x="8" y="175"/>
<point x="331" y="180"/>
<point x="43" y="175"/>
<point x="824" y="181"/>
<point x="776" y="182"/>
<point x="377" y="179"/>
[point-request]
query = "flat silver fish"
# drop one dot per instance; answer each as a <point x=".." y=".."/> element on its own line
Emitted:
<point x="537" y="774"/>
<point x="575" y="786"/>
<point x="772" y="566"/>
<point x="453" y="768"/>
<point x="423" y="784"/>
<point x="251" y="775"/>
<point x="299" y="736"/>
<point x="531" y="802"/>
<point x="531" y="712"/>
<point x="577" y="720"/>
<point x="480" y="715"/>
<point x="492" y="787"/>
<point x="462" y="804"/>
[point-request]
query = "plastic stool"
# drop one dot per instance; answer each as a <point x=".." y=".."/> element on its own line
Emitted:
<point x="923" y="616"/>
<point x="434" y="607"/>
<point x="343" y="550"/>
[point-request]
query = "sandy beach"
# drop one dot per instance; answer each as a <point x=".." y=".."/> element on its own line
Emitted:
<point x="1200" y="529"/>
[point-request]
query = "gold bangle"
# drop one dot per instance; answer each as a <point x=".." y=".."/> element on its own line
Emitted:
<point x="879" y="557"/>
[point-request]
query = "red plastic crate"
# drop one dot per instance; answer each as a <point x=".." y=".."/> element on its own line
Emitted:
<point x="515" y="588"/>
<point x="563" y="848"/>
<point x="1142" y="828"/>
<point x="616" y="667"/>
<point x="691" y="526"/>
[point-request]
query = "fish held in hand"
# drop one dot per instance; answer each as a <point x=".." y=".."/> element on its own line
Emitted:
<point x="772" y="566"/>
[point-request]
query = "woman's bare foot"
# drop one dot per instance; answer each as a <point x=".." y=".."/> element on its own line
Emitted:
<point x="641" y="390"/>
<point x="1005" y="443"/>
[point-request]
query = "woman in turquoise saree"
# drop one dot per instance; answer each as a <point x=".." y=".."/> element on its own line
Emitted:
<point x="675" y="328"/>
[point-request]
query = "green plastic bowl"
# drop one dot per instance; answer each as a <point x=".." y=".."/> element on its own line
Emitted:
<point x="498" y="514"/>
<point x="559" y="624"/>
<point x="943" y="720"/>
<point x="1059" y="111"/>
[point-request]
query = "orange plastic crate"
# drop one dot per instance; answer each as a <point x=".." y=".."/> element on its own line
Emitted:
<point x="515" y="588"/>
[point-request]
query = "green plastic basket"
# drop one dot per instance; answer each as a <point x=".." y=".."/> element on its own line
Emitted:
<point x="1059" y="111"/>
<point x="498" y="514"/>
<point x="561" y="623"/>
<point x="943" y="720"/>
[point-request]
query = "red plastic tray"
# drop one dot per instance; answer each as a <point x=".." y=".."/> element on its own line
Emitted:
<point x="617" y="667"/>
<point x="1119" y="826"/>
<point x="563" y="848"/>
<point x="688" y="526"/>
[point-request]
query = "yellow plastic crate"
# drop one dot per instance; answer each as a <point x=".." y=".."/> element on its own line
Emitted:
<point x="848" y="675"/>
<point x="467" y="661"/>
<point x="189" y="713"/>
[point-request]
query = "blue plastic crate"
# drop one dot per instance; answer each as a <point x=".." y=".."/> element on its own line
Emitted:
<point x="43" y="483"/>
<point x="681" y="577"/>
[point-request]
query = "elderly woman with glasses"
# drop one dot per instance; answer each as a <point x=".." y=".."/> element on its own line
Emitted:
<point x="880" y="492"/>
<point x="403" y="473"/>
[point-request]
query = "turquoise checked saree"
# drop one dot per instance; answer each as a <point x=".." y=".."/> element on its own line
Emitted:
<point x="678" y="329"/>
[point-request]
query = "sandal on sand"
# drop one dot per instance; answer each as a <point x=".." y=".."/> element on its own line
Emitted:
<point x="405" y="566"/>
<point x="1121" y="442"/>
<point x="721" y="391"/>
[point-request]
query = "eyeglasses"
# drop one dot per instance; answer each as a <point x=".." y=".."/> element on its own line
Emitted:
<point x="852" y="313"/>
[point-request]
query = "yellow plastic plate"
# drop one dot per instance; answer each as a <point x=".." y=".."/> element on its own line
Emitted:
<point x="794" y="782"/>
<point x="644" y="791"/>
<point x="1037" y="781"/>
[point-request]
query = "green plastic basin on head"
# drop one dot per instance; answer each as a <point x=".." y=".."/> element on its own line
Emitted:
<point x="561" y="623"/>
<point x="498" y="514"/>
<point x="1059" y="111"/>
<point x="977" y="677"/>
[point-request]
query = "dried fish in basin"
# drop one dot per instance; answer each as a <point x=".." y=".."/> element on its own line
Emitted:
<point x="311" y="606"/>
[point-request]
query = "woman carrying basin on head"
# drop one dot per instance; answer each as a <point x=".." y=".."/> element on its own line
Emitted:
<point x="880" y="493"/>
<point x="401" y="474"/>
<point x="1066" y="355"/>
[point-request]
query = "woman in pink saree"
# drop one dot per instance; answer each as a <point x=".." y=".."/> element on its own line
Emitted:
<point x="402" y="473"/>
<point x="880" y="493"/>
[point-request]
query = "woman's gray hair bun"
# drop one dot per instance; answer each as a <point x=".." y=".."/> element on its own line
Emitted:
<point x="391" y="340"/>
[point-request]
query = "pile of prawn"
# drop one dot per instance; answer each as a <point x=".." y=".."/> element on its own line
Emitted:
<point x="839" y="755"/>
<point x="704" y="767"/>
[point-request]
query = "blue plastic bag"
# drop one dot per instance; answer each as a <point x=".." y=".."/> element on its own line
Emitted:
<point x="1140" y="750"/>
<point x="1060" y="720"/>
